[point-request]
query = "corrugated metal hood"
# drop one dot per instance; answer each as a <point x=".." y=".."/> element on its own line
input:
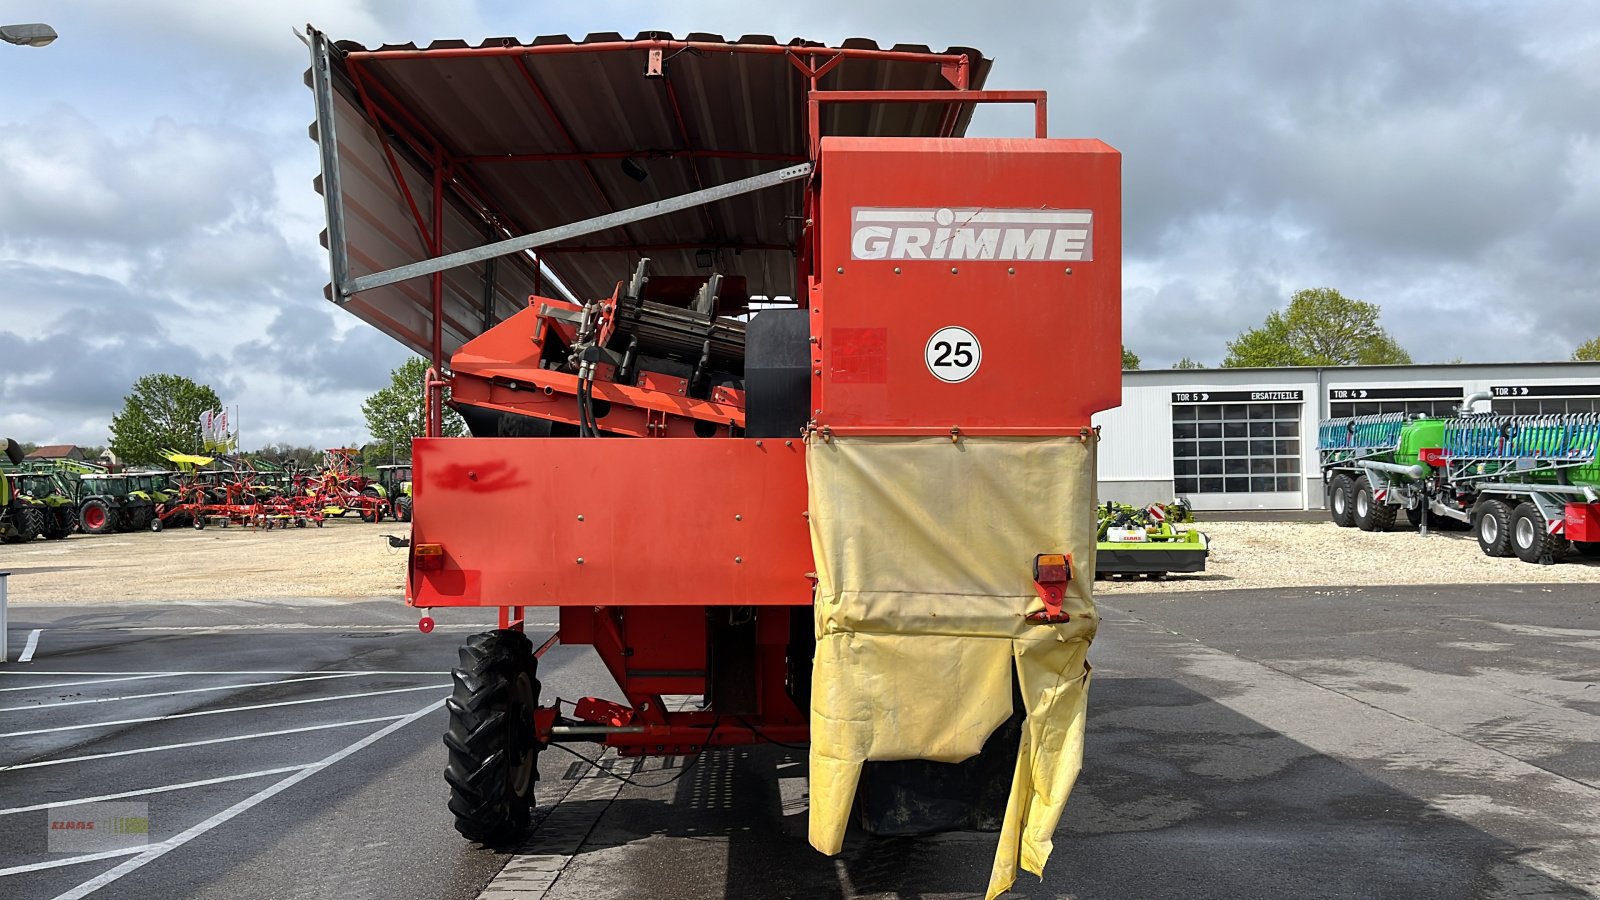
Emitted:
<point x="528" y="136"/>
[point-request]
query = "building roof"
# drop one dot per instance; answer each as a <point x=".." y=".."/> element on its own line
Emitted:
<point x="545" y="133"/>
<point x="57" y="451"/>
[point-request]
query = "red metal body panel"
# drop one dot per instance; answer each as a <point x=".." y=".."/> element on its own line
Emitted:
<point x="699" y="522"/>
<point x="1583" y="522"/>
<point x="1047" y="318"/>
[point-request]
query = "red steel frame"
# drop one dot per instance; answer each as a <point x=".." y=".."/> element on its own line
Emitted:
<point x="656" y="642"/>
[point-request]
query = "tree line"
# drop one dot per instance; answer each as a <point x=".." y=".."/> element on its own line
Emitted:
<point x="1321" y="327"/>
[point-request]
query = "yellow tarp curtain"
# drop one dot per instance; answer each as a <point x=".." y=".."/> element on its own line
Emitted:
<point x="924" y="550"/>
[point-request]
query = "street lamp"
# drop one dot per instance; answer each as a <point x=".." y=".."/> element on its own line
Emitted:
<point x="34" y="35"/>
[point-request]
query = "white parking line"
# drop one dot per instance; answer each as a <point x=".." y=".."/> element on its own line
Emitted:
<point x="218" y="712"/>
<point x="149" y="674"/>
<point x="155" y="790"/>
<point x="157" y="851"/>
<point x="56" y="684"/>
<point x="280" y="626"/>
<point x="32" y="645"/>
<point x="221" y="740"/>
<point x="70" y="861"/>
<point x="199" y="690"/>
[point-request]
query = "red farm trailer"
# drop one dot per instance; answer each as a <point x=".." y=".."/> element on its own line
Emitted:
<point x="779" y="390"/>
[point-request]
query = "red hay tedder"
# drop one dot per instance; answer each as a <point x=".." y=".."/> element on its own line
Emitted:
<point x="654" y="276"/>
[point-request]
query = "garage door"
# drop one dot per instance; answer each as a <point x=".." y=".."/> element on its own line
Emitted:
<point x="1237" y="453"/>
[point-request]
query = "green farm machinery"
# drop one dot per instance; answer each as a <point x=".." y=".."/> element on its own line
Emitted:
<point x="52" y="496"/>
<point x="22" y="518"/>
<point x="395" y="483"/>
<point x="1527" y="486"/>
<point x="118" y="502"/>
<point x="1148" y="541"/>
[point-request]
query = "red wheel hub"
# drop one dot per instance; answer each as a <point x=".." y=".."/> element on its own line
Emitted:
<point x="94" y="517"/>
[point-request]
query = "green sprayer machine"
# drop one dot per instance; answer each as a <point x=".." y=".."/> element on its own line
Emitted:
<point x="1526" y="485"/>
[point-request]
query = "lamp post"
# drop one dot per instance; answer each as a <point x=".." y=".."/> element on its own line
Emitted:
<point x="34" y="35"/>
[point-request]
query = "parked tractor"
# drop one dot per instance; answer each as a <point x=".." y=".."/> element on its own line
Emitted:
<point x="53" y="496"/>
<point x="21" y="518"/>
<point x="1527" y="486"/>
<point x="800" y="428"/>
<point x="394" y="483"/>
<point x="108" y="503"/>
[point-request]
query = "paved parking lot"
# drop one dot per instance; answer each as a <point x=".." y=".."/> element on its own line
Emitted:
<point x="1348" y="742"/>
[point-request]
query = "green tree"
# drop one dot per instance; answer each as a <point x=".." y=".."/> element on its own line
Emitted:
<point x="1320" y="327"/>
<point x="395" y="414"/>
<point x="1130" y="359"/>
<point x="1587" y="352"/>
<point x="162" y="412"/>
<point x="1187" y="363"/>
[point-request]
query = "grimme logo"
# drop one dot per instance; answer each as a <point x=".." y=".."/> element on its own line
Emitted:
<point x="948" y="233"/>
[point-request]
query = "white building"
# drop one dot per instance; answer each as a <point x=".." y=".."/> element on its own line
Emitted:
<point x="1247" y="438"/>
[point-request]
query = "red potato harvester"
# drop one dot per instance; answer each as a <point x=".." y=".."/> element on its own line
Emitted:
<point x="779" y="391"/>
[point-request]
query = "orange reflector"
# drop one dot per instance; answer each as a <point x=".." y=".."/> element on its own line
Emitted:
<point x="428" y="556"/>
<point x="1052" y="568"/>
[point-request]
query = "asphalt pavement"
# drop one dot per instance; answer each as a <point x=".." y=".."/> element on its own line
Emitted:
<point x="1343" y="742"/>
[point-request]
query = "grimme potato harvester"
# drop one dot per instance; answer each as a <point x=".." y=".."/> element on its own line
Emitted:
<point x="779" y="391"/>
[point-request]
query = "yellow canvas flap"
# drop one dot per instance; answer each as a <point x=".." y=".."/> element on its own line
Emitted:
<point x="924" y="550"/>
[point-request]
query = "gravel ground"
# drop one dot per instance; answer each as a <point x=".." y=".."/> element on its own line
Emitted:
<point x="1318" y="554"/>
<point x="347" y="558"/>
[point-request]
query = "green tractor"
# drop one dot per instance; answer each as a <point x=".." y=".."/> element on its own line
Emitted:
<point x="21" y="518"/>
<point x="51" y="495"/>
<point x="394" y="483"/>
<point x="109" y="503"/>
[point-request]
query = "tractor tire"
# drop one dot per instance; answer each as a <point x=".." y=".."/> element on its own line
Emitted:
<point x="1372" y="515"/>
<point x="402" y="509"/>
<point x="372" y="506"/>
<point x="1491" y="522"/>
<point x="1342" y="500"/>
<point x="30" y="524"/>
<point x="59" y="523"/>
<point x="1531" y="539"/>
<point x="96" y="517"/>
<point x="494" y="750"/>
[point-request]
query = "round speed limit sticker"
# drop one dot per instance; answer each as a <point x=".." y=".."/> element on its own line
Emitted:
<point x="953" y="354"/>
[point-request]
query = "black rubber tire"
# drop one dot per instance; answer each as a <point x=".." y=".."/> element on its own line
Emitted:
<point x="30" y="523"/>
<point x="1414" y="516"/>
<point x="1531" y="539"/>
<point x="59" y="522"/>
<point x="155" y="524"/>
<point x="1341" y="500"/>
<point x="104" y="523"/>
<point x="1372" y="515"/>
<point x="374" y="512"/>
<point x="1491" y="523"/>
<point x="494" y="750"/>
<point x="402" y="509"/>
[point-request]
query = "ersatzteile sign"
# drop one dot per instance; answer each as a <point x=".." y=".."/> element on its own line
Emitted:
<point x="1238" y="396"/>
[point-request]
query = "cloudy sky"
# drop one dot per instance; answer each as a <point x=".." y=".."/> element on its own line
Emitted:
<point x="1441" y="159"/>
